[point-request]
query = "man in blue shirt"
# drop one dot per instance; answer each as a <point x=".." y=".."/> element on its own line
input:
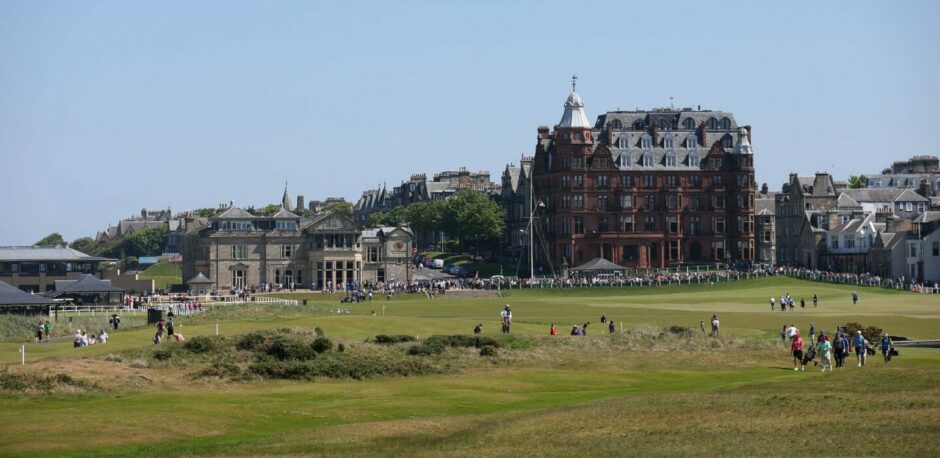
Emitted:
<point x="859" y="343"/>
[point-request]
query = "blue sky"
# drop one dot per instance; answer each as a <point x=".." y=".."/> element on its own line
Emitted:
<point x="107" y="107"/>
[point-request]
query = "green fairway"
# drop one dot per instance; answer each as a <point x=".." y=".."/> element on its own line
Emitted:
<point x="590" y="396"/>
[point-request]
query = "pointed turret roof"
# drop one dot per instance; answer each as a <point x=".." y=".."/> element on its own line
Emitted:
<point x="744" y="145"/>
<point x="574" y="115"/>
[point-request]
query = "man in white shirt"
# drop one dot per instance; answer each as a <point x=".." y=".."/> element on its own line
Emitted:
<point x="791" y="333"/>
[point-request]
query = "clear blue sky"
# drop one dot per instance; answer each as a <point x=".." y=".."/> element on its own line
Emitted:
<point x="110" y="106"/>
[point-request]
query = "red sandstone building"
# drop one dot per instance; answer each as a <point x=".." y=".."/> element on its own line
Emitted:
<point x="645" y="189"/>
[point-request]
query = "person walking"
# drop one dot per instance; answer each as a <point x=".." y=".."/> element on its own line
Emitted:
<point x="838" y="349"/>
<point x="715" y="325"/>
<point x="48" y="329"/>
<point x="771" y="304"/>
<point x="860" y="345"/>
<point x="701" y="324"/>
<point x="612" y="327"/>
<point x="815" y="300"/>
<point x="886" y="346"/>
<point x="169" y="328"/>
<point x="854" y="297"/>
<point x="783" y="334"/>
<point x="40" y="330"/>
<point x="812" y="332"/>
<point x="553" y="331"/>
<point x="824" y="348"/>
<point x="796" y="348"/>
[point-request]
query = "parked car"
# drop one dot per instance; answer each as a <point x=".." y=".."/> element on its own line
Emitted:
<point x="451" y="269"/>
<point x="437" y="264"/>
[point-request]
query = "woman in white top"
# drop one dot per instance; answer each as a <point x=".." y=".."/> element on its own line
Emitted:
<point x="103" y="337"/>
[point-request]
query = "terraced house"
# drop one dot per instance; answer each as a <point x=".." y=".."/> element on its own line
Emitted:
<point x="658" y="188"/>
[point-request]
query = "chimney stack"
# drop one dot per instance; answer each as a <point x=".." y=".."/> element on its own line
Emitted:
<point x="300" y="203"/>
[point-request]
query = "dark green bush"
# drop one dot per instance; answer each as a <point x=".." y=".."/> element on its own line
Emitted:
<point x="679" y="330"/>
<point x="339" y="366"/>
<point x="427" y="348"/>
<point x="200" y="344"/>
<point x="286" y="348"/>
<point x="321" y="345"/>
<point x="385" y="339"/>
<point x="488" y="350"/>
<point x="319" y="332"/>
<point x="162" y="355"/>
<point x="250" y="342"/>
<point x="341" y="347"/>
<point x="461" y="340"/>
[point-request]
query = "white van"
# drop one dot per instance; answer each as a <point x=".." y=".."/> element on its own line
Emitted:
<point x="437" y="263"/>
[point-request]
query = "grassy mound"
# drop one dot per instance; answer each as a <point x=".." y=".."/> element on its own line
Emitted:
<point x="31" y="383"/>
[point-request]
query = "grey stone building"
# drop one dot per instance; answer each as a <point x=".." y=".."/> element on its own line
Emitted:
<point x="515" y="198"/>
<point x="235" y="249"/>
<point x="919" y="173"/>
<point x="765" y="219"/>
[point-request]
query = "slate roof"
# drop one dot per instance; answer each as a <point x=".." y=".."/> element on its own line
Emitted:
<point x="929" y="217"/>
<point x="85" y="284"/>
<point x="45" y="253"/>
<point x="907" y="195"/>
<point x="284" y="214"/>
<point x="11" y="295"/>
<point x="234" y="213"/>
<point x="765" y="207"/>
<point x="597" y="265"/>
<point x="863" y="195"/>
<point x="846" y="201"/>
<point x="199" y="279"/>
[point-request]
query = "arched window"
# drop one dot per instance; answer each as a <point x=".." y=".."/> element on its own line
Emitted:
<point x="689" y="123"/>
<point x="638" y="124"/>
<point x="726" y="142"/>
<point x="623" y="141"/>
<point x="646" y="142"/>
<point x="712" y="123"/>
<point x="616" y="124"/>
<point x="725" y="123"/>
<point x="670" y="159"/>
<point x="691" y="142"/>
<point x="668" y="141"/>
<point x="693" y="160"/>
<point x="663" y="124"/>
<point x="647" y="159"/>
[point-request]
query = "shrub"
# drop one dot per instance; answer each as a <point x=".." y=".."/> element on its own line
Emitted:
<point x="319" y="332"/>
<point x="200" y="344"/>
<point x="285" y="348"/>
<point x="384" y="339"/>
<point x="488" y="350"/>
<point x="162" y="355"/>
<point x="460" y="340"/>
<point x="321" y="345"/>
<point x="113" y="358"/>
<point x="872" y="333"/>
<point x="678" y="330"/>
<point x="250" y="342"/>
<point x="30" y="382"/>
<point x="220" y="369"/>
<point x="341" y="347"/>
<point x="139" y="363"/>
<point x="427" y="348"/>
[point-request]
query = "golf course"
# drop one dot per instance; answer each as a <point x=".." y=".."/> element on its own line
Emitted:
<point x="407" y="377"/>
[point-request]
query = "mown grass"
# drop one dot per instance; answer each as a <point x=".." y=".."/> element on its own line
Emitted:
<point x="164" y="273"/>
<point x="637" y="393"/>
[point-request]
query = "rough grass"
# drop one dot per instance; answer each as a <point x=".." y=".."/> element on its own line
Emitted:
<point x="16" y="328"/>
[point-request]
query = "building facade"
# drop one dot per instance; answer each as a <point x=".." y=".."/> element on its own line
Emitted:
<point x="36" y="268"/>
<point x="645" y="189"/>
<point x="235" y="249"/>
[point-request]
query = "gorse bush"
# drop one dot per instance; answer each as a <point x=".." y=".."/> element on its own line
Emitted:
<point x="340" y="366"/>
<point x="488" y="350"/>
<point x="285" y="348"/>
<point x="250" y="342"/>
<point x="384" y="339"/>
<point x="322" y="344"/>
<point x="31" y="382"/>
<point x="461" y="340"/>
<point x="200" y="344"/>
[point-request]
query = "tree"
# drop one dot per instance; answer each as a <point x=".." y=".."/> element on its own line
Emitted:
<point x="426" y="216"/>
<point x="54" y="238"/>
<point x="340" y="208"/>
<point x="205" y="212"/>
<point x="146" y="242"/>
<point x="394" y="217"/>
<point x="269" y="210"/>
<point x="84" y="244"/>
<point x="471" y="216"/>
<point x="856" y="181"/>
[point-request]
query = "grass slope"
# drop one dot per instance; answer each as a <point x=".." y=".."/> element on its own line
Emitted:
<point x="164" y="273"/>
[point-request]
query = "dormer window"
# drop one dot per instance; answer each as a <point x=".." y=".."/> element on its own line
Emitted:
<point x="616" y="124"/>
<point x="623" y="142"/>
<point x="691" y="142"/>
<point x="646" y="142"/>
<point x="693" y="160"/>
<point x="712" y="123"/>
<point x="725" y="123"/>
<point x="689" y="123"/>
<point x="668" y="141"/>
<point x="670" y="159"/>
<point x="663" y="124"/>
<point x="647" y="159"/>
<point x="726" y="142"/>
<point x="638" y="124"/>
<point x="623" y="160"/>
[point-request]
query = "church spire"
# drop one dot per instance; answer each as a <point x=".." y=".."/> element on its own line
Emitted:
<point x="285" y="200"/>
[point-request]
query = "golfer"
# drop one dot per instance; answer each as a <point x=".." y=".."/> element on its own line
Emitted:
<point x="860" y="345"/>
<point x="796" y="347"/>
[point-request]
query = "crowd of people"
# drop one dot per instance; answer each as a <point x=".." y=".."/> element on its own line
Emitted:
<point x="835" y="348"/>
<point x="81" y="339"/>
